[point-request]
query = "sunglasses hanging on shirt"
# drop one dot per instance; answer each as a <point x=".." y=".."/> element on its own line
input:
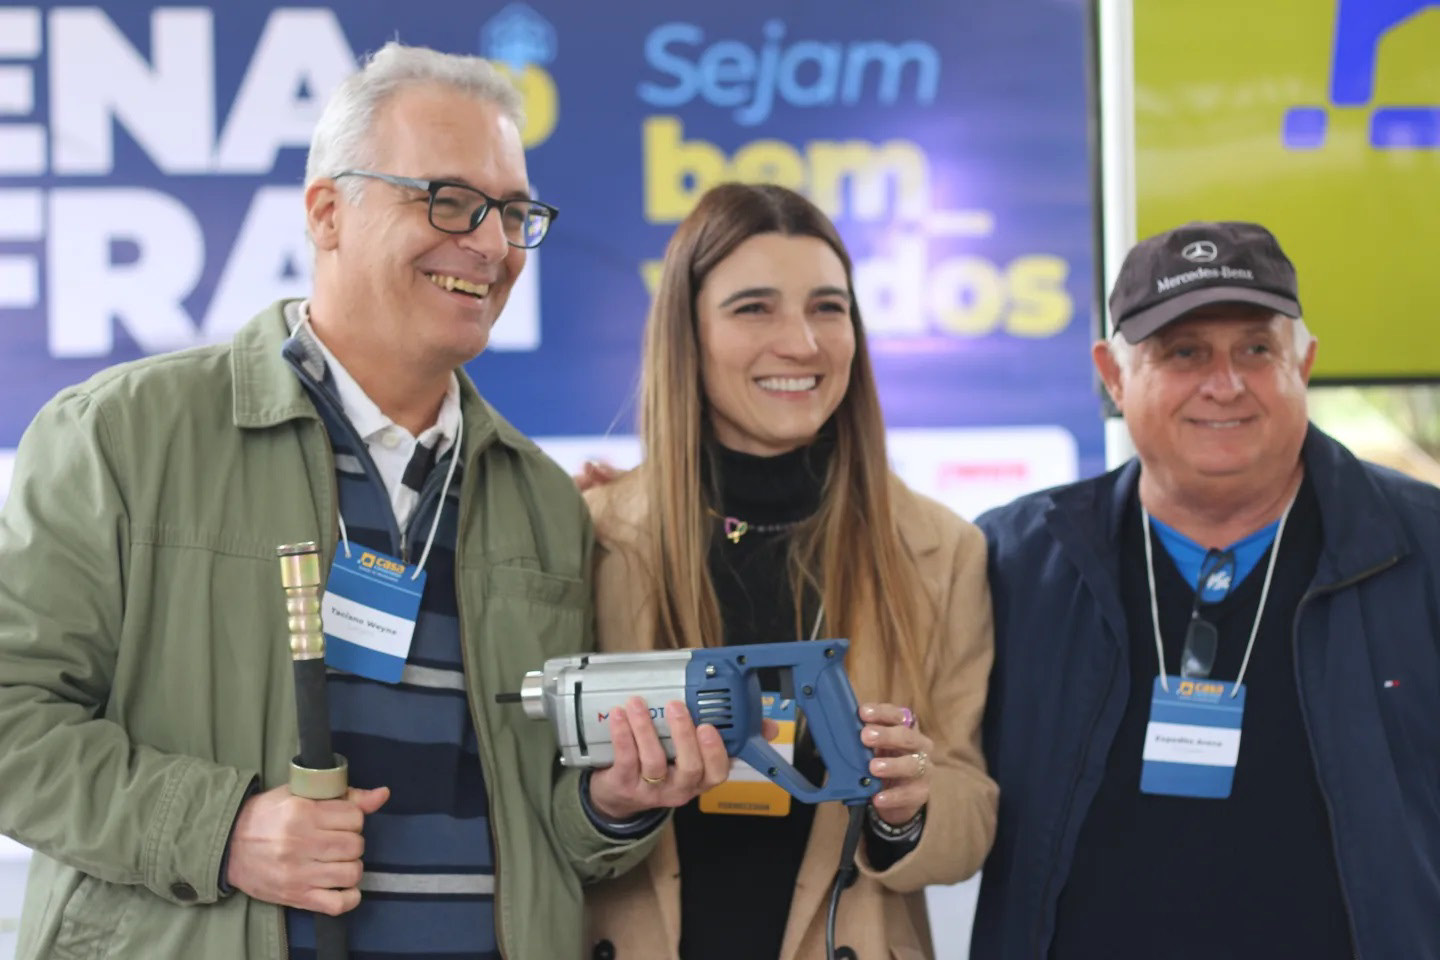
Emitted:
<point x="1202" y="639"/>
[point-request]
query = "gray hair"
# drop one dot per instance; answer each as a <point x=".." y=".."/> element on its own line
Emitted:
<point x="342" y="138"/>
<point x="1124" y="351"/>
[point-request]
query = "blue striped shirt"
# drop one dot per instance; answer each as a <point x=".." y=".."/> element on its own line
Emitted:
<point x="428" y="887"/>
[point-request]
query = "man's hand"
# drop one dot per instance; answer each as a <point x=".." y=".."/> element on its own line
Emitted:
<point x="302" y="853"/>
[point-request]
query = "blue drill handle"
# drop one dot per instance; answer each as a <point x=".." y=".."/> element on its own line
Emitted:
<point x="723" y="688"/>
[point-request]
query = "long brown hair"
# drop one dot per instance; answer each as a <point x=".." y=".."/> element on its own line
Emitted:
<point x="850" y="551"/>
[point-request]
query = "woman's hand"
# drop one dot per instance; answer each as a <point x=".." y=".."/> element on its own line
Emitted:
<point x="595" y="473"/>
<point x="902" y="760"/>
<point x="642" y="777"/>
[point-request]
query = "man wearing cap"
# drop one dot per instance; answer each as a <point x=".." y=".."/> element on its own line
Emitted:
<point x="1213" y="712"/>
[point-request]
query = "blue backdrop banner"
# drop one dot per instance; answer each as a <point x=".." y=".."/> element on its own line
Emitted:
<point x="151" y="161"/>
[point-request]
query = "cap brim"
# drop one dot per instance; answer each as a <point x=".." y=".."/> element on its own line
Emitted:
<point x="1141" y="325"/>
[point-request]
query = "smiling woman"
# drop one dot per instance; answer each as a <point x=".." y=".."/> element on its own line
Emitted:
<point x="765" y="510"/>
<point x="777" y="342"/>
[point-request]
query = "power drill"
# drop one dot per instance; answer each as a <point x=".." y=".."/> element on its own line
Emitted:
<point x="720" y="686"/>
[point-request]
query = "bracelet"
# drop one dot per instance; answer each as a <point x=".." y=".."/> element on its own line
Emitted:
<point x="638" y="825"/>
<point x="908" y="830"/>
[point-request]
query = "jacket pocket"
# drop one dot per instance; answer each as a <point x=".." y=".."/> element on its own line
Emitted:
<point x="528" y="617"/>
<point x="539" y="615"/>
<point x="91" y="918"/>
<point x="524" y="584"/>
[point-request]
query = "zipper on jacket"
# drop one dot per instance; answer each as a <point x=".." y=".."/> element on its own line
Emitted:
<point x="1310" y="737"/>
<point x="1069" y="797"/>
<point x="483" y="735"/>
<point x="481" y="732"/>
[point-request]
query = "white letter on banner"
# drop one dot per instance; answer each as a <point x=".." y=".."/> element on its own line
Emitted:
<point x="97" y="77"/>
<point x="270" y="261"/>
<point x="299" y="49"/>
<point x="88" y="292"/>
<point x="22" y="145"/>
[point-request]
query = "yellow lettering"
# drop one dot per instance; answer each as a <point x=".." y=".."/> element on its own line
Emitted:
<point x="650" y="271"/>
<point x="769" y="161"/>
<point x="1040" y="306"/>
<point x="677" y="172"/>
<point x="541" y="102"/>
<point x="851" y="178"/>
<point x="966" y="296"/>
<point x="869" y="170"/>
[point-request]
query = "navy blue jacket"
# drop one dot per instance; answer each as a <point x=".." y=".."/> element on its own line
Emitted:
<point x="1061" y="678"/>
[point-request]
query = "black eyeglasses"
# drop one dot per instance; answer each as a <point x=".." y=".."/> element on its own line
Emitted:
<point x="459" y="208"/>
<point x="1202" y="640"/>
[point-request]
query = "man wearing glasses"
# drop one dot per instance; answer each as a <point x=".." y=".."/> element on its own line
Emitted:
<point x="147" y="719"/>
<point x="1213" y="714"/>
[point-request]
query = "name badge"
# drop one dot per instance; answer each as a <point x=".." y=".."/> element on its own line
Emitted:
<point x="748" y="791"/>
<point x="1193" y="739"/>
<point x="369" y="613"/>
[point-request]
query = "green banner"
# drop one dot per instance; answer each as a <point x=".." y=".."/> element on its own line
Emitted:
<point x="1321" y="120"/>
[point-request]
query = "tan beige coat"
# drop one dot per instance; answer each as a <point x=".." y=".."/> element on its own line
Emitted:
<point x="882" y="916"/>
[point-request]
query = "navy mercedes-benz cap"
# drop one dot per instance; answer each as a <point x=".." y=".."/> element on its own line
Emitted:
<point x="1168" y="275"/>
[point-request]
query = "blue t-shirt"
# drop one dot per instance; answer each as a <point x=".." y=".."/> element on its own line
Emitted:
<point x="1189" y="557"/>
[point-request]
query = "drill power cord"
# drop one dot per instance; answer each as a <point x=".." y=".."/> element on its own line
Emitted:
<point x="845" y="874"/>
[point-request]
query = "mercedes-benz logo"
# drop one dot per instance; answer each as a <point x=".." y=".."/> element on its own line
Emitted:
<point x="1201" y="251"/>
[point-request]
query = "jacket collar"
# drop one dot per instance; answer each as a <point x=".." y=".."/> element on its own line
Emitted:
<point x="1362" y="530"/>
<point x="1085" y="519"/>
<point x="917" y="526"/>
<point x="267" y="392"/>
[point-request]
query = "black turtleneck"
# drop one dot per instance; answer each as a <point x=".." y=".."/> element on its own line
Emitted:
<point x="738" y="872"/>
<point x="751" y="574"/>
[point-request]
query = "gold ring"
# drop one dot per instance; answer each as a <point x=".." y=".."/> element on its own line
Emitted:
<point x="652" y="780"/>
<point x="924" y="761"/>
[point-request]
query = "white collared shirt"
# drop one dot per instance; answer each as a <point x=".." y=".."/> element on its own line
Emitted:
<point x="390" y="445"/>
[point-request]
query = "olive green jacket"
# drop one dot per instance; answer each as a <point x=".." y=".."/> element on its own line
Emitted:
<point x="145" y="678"/>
